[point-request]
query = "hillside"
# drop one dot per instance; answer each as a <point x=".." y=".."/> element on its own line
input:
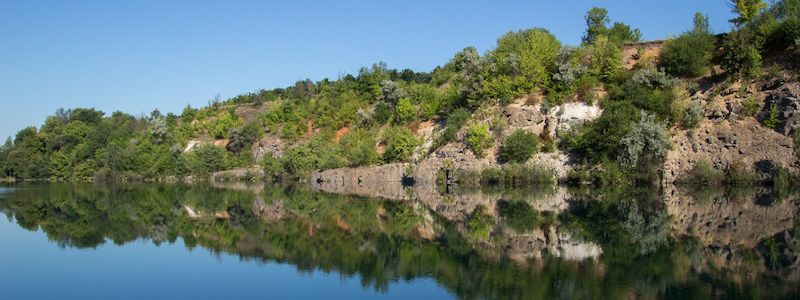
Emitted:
<point x="699" y="108"/>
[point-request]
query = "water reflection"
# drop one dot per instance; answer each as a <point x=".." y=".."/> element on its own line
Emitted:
<point x="494" y="244"/>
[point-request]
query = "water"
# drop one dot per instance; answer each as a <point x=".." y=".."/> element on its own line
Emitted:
<point x="91" y="241"/>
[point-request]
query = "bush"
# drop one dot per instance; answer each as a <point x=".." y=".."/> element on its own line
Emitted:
<point x="519" y="147"/>
<point x="400" y="144"/>
<point x="797" y="143"/>
<point x="206" y="159"/>
<point x="739" y="175"/>
<point x="382" y="112"/>
<point x="693" y="115"/>
<point x="242" y="138"/>
<point x="272" y="166"/>
<point x="359" y="148"/>
<point x="740" y="58"/>
<point x="703" y="174"/>
<point x="223" y="125"/>
<point x="525" y="56"/>
<point x="750" y="107"/>
<point x="406" y="111"/>
<point x="455" y="120"/>
<point x="517" y="175"/>
<point x="688" y="55"/>
<point x="646" y="143"/>
<point x="478" y="139"/>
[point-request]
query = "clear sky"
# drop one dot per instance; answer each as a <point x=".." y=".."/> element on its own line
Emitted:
<point x="136" y="56"/>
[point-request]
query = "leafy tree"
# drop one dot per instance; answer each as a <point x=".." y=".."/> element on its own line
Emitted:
<point x="520" y="62"/>
<point x="605" y="58"/>
<point x="468" y="64"/>
<point x="747" y="10"/>
<point x="519" y="146"/>
<point x="223" y="125"/>
<point x="158" y="129"/>
<point x="478" y="139"/>
<point x="596" y="24"/>
<point x="400" y="144"/>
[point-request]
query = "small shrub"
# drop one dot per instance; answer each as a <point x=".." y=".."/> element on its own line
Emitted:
<point x="693" y="115"/>
<point x="517" y="175"/>
<point x="359" y="148"/>
<point x="519" y="147"/>
<point x="750" y="107"/>
<point x="772" y="119"/>
<point x="647" y="142"/>
<point x="703" y="174"/>
<point x="272" y="166"/>
<point x="478" y="139"/>
<point x="739" y="175"/>
<point x="455" y="120"/>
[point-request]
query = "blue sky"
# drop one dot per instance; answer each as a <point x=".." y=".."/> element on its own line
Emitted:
<point x="135" y="56"/>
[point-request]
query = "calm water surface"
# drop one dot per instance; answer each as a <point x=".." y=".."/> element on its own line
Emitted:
<point x="91" y="241"/>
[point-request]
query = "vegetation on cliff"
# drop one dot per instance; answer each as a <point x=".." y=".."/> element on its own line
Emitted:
<point x="377" y="115"/>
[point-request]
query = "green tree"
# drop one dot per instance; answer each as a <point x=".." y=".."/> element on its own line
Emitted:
<point x="746" y="10"/>
<point x="596" y="24"/>
<point x="605" y="58"/>
<point x="520" y="62"/>
<point x="359" y="148"/>
<point x="646" y="143"/>
<point x="241" y="138"/>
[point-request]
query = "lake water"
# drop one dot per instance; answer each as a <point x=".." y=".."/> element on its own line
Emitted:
<point x="176" y="241"/>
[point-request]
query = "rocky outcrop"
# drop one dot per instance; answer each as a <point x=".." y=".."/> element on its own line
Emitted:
<point x="562" y="117"/>
<point x="786" y="98"/>
<point x="269" y="144"/>
<point x="723" y="144"/>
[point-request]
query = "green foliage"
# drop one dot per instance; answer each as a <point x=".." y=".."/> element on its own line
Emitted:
<point x="520" y="63"/>
<point x="796" y="140"/>
<point x="406" y="111"/>
<point x="359" y="148"/>
<point x="517" y="175"/>
<point x="518" y="215"/>
<point x="222" y="125"/>
<point x="601" y="138"/>
<point x="241" y="138"/>
<point x="480" y="223"/>
<point x="597" y="21"/>
<point x="703" y="174"/>
<point x="272" y="166"/>
<point x="206" y="159"/>
<point x="455" y="120"/>
<point x="772" y="119"/>
<point x="478" y="139"/>
<point x="693" y="114"/>
<point x="383" y="112"/>
<point x="400" y="144"/>
<point x="519" y="146"/>
<point x="750" y="107"/>
<point x="740" y="57"/>
<point x="747" y="10"/>
<point x="689" y="54"/>
<point x="646" y="143"/>
<point x="605" y="58"/>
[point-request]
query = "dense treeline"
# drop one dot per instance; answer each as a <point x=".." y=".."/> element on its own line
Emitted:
<point x="381" y="108"/>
